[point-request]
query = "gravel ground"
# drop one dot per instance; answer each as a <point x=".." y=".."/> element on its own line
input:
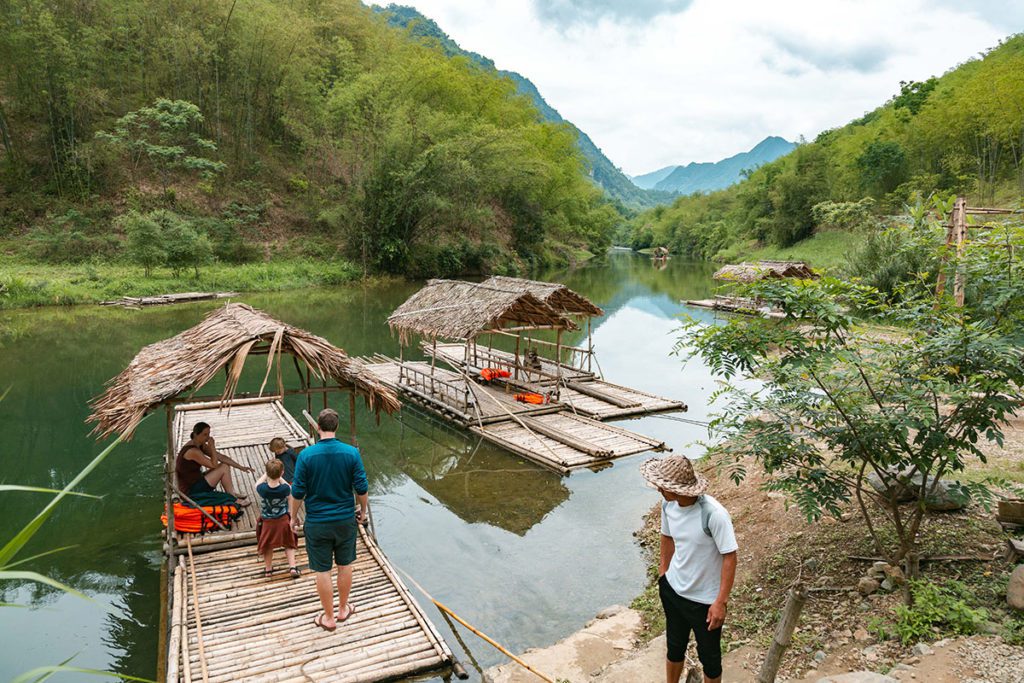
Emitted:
<point x="997" y="662"/>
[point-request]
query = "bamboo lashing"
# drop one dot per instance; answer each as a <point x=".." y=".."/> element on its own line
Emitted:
<point x="483" y="636"/>
<point x="195" y="607"/>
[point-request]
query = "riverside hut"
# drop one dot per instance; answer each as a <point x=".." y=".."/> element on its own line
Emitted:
<point x="217" y="622"/>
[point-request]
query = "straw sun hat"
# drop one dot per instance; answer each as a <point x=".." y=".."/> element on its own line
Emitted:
<point x="674" y="474"/>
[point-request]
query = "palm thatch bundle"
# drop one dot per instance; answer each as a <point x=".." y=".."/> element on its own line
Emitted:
<point x="765" y="270"/>
<point x="558" y="296"/>
<point x="454" y="309"/>
<point x="224" y="338"/>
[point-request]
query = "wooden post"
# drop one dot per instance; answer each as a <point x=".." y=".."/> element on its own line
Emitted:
<point x="590" y="346"/>
<point x="309" y="396"/>
<point x="518" y="337"/>
<point x="783" y="633"/>
<point x="558" y="363"/>
<point x="960" y="234"/>
<point x="352" y="416"/>
<point x="168" y="474"/>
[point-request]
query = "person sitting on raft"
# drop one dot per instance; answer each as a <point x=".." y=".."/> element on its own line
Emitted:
<point x="201" y="451"/>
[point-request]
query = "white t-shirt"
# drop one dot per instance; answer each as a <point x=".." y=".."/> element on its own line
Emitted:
<point x="695" y="571"/>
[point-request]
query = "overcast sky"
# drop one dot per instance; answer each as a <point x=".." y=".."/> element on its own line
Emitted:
<point x="660" y="82"/>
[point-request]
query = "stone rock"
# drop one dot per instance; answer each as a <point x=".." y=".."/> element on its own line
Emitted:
<point x="921" y="650"/>
<point x="886" y="585"/>
<point x="877" y="570"/>
<point x="860" y="635"/>
<point x="1015" y="589"/>
<point x="811" y="564"/>
<point x="871" y="653"/>
<point x="944" y="498"/>
<point x="867" y="585"/>
<point x="819" y="656"/>
<point x="858" y="677"/>
<point x="901" y="667"/>
<point x="895" y="574"/>
<point x="609" y="612"/>
<point x="941" y="643"/>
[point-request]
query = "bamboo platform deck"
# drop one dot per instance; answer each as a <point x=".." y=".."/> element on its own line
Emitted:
<point x="583" y="391"/>
<point x="735" y="305"/>
<point x="259" y="629"/>
<point x="564" y="442"/>
<point x="487" y="403"/>
<point x="166" y="299"/>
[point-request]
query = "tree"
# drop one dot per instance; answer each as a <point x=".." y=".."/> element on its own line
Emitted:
<point x="185" y="246"/>
<point x="838" y="406"/>
<point x="882" y="166"/>
<point x="162" y="136"/>
<point x="146" y="245"/>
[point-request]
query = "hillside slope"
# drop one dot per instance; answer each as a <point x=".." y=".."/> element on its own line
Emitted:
<point x="960" y="133"/>
<point x="602" y="170"/>
<point x="718" y="175"/>
<point x="265" y="131"/>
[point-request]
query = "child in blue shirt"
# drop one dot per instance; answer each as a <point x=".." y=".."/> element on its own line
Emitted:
<point x="274" y="528"/>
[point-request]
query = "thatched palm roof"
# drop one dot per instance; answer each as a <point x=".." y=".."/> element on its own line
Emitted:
<point x="764" y="270"/>
<point x="556" y="295"/>
<point x="224" y="338"/>
<point x="454" y="309"/>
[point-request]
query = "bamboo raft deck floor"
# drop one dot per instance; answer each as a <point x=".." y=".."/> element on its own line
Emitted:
<point x="493" y="402"/>
<point x="259" y="629"/>
<point x="558" y="453"/>
<point x="587" y="401"/>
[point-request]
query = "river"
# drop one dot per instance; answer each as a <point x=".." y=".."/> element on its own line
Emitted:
<point x="523" y="554"/>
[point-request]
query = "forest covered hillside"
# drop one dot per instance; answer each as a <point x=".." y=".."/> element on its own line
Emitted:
<point x="709" y="176"/>
<point x="605" y="173"/>
<point x="961" y="133"/>
<point x="260" y="131"/>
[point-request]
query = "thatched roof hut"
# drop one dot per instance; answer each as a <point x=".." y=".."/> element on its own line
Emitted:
<point x="454" y="309"/>
<point x="751" y="271"/>
<point x="224" y="338"/>
<point x="558" y="296"/>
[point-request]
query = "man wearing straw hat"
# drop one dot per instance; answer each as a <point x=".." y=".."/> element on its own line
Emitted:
<point x="698" y="564"/>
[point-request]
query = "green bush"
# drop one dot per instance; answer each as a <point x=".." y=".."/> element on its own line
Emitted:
<point x="185" y="246"/>
<point x="936" y="610"/>
<point x="72" y="237"/>
<point x="146" y="240"/>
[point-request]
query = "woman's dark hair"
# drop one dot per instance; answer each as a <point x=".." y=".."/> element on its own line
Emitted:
<point x="198" y="429"/>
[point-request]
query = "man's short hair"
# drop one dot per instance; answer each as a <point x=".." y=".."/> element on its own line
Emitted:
<point x="328" y="420"/>
<point x="278" y="444"/>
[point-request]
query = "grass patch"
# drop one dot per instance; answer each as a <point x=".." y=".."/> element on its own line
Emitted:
<point x="825" y="250"/>
<point x="26" y="284"/>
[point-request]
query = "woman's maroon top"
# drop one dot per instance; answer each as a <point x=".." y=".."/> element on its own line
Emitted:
<point x="187" y="471"/>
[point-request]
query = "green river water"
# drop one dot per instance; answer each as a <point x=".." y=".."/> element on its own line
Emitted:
<point x="524" y="554"/>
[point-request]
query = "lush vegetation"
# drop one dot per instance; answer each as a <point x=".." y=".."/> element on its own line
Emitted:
<point x="909" y="408"/>
<point x="242" y="132"/>
<point x="962" y="133"/>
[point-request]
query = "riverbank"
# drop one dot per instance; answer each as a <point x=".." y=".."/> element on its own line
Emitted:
<point x="841" y="629"/>
<point x="26" y="284"/>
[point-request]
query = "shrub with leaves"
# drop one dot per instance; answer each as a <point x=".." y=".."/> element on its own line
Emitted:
<point x="837" y="405"/>
<point x="935" y="610"/>
<point x="145" y="240"/>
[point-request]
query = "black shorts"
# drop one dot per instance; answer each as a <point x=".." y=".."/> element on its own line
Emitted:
<point x="683" y="616"/>
<point x="331" y="540"/>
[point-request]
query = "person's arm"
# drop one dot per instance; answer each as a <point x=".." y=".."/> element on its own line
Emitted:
<point x="210" y="448"/>
<point x="196" y="454"/>
<point x="263" y="478"/>
<point x="364" y="502"/>
<point x="668" y="549"/>
<point x="362" y="488"/>
<point x="297" y="493"/>
<point x="717" y="611"/>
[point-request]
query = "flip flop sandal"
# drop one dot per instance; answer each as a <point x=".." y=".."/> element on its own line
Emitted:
<point x="294" y="572"/>
<point x="319" y="621"/>
<point x="351" y="611"/>
<point x="267" y="573"/>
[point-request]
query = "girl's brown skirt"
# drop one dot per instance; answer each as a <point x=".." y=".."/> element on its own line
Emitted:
<point x="275" y="533"/>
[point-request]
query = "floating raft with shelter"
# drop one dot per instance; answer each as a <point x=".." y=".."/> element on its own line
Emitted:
<point x="221" y="619"/>
<point x="542" y="408"/>
<point x="753" y="271"/>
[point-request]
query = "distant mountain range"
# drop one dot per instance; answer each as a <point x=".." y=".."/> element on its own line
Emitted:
<point x="713" y="175"/>
<point x="616" y="183"/>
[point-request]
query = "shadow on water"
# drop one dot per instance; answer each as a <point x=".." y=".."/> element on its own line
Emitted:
<point x="524" y="554"/>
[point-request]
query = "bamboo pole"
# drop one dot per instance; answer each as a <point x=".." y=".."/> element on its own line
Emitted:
<point x="483" y="636"/>
<point x="960" y="230"/>
<point x="174" y="642"/>
<point x="352" y="417"/>
<point x="783" y="633"/>
<point x="195" y="608"/>
<point x="168" y="474"/>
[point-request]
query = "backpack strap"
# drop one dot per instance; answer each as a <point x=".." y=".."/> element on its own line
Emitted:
<point x="705" y="514"/>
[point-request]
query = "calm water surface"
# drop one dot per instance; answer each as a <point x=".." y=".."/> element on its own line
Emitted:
<point x="525" y="555"/>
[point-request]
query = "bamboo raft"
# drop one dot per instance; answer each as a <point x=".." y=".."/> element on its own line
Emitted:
<point x="732" y="304"/>
<point x="230" y="622"/>
<point x="559" y="435"/>
<point x="166" y="299"/>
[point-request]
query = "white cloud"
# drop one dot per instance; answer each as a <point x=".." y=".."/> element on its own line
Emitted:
<point x="673" y="81"/>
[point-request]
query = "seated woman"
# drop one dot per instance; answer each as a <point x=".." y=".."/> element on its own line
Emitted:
<point x="201" y="451"/>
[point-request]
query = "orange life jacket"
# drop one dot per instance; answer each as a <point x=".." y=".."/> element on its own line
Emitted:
<point x="493" y="373"/>
<point x="191" y="521"/>
<point x="536" y="399"/>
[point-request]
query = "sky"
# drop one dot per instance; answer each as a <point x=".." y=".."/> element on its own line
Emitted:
<point x="662" y="82"/>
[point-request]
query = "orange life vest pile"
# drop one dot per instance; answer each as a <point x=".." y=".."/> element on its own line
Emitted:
<point x="489" y="374"/>
<point x="530" y="397"/>
<point x="190" y="520"/>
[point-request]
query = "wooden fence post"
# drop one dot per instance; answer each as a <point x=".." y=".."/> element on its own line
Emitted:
<point x="783" y="634"/>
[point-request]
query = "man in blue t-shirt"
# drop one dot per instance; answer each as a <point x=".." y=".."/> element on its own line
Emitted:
<point x="326" y="476"/>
